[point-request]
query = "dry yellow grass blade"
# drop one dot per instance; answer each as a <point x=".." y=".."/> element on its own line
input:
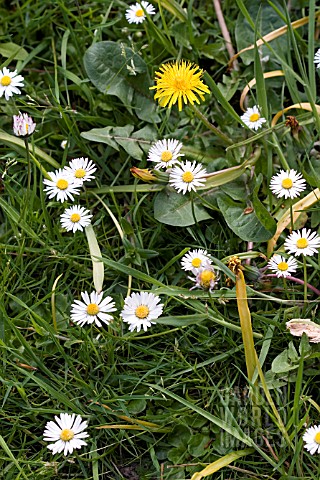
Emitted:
<point x="275" y="34"/>
<point x="222" y="462"/>
<point x="274" y="73"/>
<point x="301" y="106"/>
<point x="297" y="209"/>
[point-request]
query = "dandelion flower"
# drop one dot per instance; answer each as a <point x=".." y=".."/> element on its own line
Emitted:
<point x="9" y="81"/>
<point x="312" y="439"/>
<point x="140" y="309"/>
<point x="287" y="184"/>
<point x="92" y="309"/>
<point x="179" y="81"/>
<point x="75" y="218"/>
<point x="187" y="176"/>
<point x="136" y="13"/>
<point x="81" y="169"/>
<point x="67" y="433"/>
<point x="194" y="260"/>
<point x="317" y="58"/>
<point x="23" y="125"/>
<point x="304" y="242"/>
<point x="61" y="185"/>
<point x="165" y="153"/>
<point x="206" y="278"/>
<point x="252" y="118"/>
<point x="282" y="267"/>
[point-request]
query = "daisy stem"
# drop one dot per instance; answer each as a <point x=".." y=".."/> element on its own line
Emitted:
<point x="29" y="173"/>
<point x="305" y="278"/>
<point x="291" y="217"/>
<point x="211" y="127"/>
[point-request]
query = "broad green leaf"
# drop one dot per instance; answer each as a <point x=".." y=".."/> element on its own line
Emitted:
<point x="117" y="70"/>
<point x="176" y="209"/>
<point x="13" y="51"/>
<point x="198" y="444"/>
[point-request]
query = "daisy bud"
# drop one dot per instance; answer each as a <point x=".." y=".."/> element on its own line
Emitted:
<point x="23" y="125"/>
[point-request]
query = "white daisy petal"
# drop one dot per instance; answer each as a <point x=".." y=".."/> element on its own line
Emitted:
<point x="187" y="176"/>
<point x="61" y="186"/>
<point x="195" y="259"/>
<point x="252" y="118"/>
<point x="282" y="267"/>
<point x="165" y="153"/>
<point x="302" y="242"/>
<point x="65" y="433"/>
<point x="75" y="218"/>
<point x="81" y="169"/>
<point x="92" y="309"/>
<point x="9" y="81"/>
<point x="136" y="13"/>
<point x="311" y="438"/>
<point x="317" y="58"/>
<point x="287" y="184"/>
<point x="140" y="309"/>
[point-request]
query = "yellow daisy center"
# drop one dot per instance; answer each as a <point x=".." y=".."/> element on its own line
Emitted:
<point x="5" y="80"/>
<point x="196" y="262"/>
<point x="139" y="13"/>
<point x="62" y="184"/>
<point x="75" y="217"/>
<point x="66" y="434"/>
<point x="206" y="277"/>
<point x="283" y="266"/>
<point x="317" y="437"/>
<point x="92" y="309"/>
<point x="27" y="127"/>
<point x="254" y="117"/>
<point x="287" y="183"/>
<point x="142" y="311"/>
<point x="80" y="173"/>
<point x="302" y="243"/>
<point x="187" y="177"/>
<point x="166" y="156"/>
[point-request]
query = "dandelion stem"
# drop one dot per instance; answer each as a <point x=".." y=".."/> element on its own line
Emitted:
<point x="211" y="127"/>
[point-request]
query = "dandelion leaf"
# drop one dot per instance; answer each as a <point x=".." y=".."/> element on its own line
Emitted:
<point x="177" y="210"/>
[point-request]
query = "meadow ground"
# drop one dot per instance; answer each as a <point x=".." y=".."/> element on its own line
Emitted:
<point x="204" y="245"/>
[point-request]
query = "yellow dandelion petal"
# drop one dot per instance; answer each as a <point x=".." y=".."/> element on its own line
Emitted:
<point x="179" y="82"/>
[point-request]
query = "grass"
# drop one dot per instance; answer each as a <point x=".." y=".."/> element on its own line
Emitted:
<point x="186" y="376"/>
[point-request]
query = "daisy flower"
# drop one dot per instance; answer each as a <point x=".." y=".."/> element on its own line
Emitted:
<point x="317" y="58"/>
<point x="287" y="184"/>
<point x="179" y="81"/>
<point x="64" y="144"/>
<point x="252" y="118"/>
<point x="92" y="309"/>
<point x="81" y="169"/>
<point x="165" y="153"/>
<point x="312" y="439"/>
<point x="75" y="218"/>
<point x="304" y="242"/>
<point x="140" y="309"/>
<point x="206" y="278"/>
<point x="187" y="176"/>
<point x="194" y="260"/>
<point x="61" y="185"/>
<point x="281" y="266"/>
<point x="23" y="125"/>
<point x="9" y="81"/>
<point x="136" y="13"/>
<point x="67" y="433"/>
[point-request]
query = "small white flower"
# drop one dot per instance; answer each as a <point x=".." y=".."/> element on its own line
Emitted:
<point x="67" y="433"/>
<point x="282" y="267"/>
<point x="23" y="125"/>
<point x="92" y="309"/>
<point x="9" y="81"/>
<point x="75" y="218"/>
<point x="252" y="118"/>
<point x="194" y="260"/>
<point x="136" y="13"/>
<point x="317" y="58"/>
<point x="287" y="184"/>
<point x="140" y="309"/>
<point x="61" y="185"/>
<point x="206" y="278"/>
<point x="63" y="144"/>
<point x="312" y="439"/>
<point x="165" y="153"/>
<point x="187" y="176"/>
<point x="304" y="242"/>
<point x="81" y="169"/>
